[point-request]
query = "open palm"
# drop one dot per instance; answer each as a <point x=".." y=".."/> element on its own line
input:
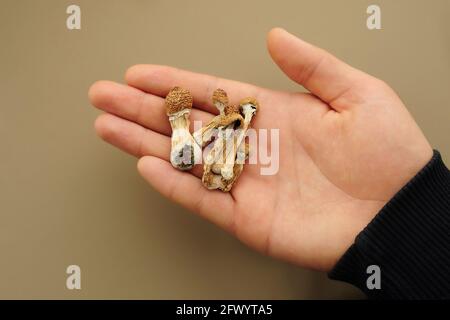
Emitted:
<point x="345" y="150"/>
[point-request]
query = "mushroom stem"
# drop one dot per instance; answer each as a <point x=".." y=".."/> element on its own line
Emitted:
<point x="230" y="155"/>
<point x="205" y="134"/>
<point x="185" y="152"/>
<point x="241" y="155"/>
<point x="249" y="107"/>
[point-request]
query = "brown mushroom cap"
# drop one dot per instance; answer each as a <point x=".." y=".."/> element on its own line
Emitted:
<point x="230" y="109"/>
<point x="220" y="96"/>
<point x="250" y="100"/>
<point x="229" y="119"/>
<point x="177" y="100"/>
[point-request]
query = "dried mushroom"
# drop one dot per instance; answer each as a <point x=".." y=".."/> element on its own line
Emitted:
<point x="185" y="152"/>
<point x="225" y="161"/>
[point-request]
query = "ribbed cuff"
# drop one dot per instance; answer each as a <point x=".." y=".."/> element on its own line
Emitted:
<point x="409" y="240"/>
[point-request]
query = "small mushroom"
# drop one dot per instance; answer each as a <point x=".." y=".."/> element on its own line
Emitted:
<point x="185" y="152"/>
<point x="214" y="162"/>
<point x="248" y="108"/>
<point x="220" y="100"/>
<point x="229" y="147"/>
<point x="230" y="151"/>
<point x="205" y="134"/>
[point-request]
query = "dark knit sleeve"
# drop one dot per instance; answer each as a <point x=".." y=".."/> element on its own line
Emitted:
<point x="409" y="240"/>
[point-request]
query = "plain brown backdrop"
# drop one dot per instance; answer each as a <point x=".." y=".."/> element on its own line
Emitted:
<point x="68" y="198"/>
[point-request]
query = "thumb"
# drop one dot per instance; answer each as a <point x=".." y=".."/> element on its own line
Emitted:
<point x="327" y="77"/>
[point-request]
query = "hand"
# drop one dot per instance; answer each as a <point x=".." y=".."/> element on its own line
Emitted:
<point x="345" y="149"/>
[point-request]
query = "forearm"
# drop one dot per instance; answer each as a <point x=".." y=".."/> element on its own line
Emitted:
<point x="409" y="240"/>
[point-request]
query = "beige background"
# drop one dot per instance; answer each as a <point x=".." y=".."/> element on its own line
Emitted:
<point x="68" y="198"/>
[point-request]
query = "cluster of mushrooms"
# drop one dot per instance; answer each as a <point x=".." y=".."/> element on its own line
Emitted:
<point x="225" y="160"/>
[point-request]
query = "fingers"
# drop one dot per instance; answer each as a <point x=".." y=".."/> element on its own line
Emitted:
<point x="131" y="137"/>
<point x="332" y="80"/>
<point x="135" y="139"/>
<point x="135" y="105"/>
<point x="188" y="191"/>
<point x="158" y="80"/>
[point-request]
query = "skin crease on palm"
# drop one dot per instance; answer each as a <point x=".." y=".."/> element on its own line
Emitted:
<point x="345" y="149"/>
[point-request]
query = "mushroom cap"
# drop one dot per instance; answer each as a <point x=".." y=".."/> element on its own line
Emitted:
<point x="229" y="119"/>
<point x="230" y="109"/>
<point x="177" y="100"/>
<point x="220" y="96"/>
<point x="249" y="100"/>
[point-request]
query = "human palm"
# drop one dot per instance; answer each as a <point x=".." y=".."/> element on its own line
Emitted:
<point x="344" y="150"/>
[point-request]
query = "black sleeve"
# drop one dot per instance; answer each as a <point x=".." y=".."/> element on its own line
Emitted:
<point x="409" y="240"/>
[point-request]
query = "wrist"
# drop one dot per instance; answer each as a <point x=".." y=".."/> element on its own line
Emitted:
<point x="408" y="240"/>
